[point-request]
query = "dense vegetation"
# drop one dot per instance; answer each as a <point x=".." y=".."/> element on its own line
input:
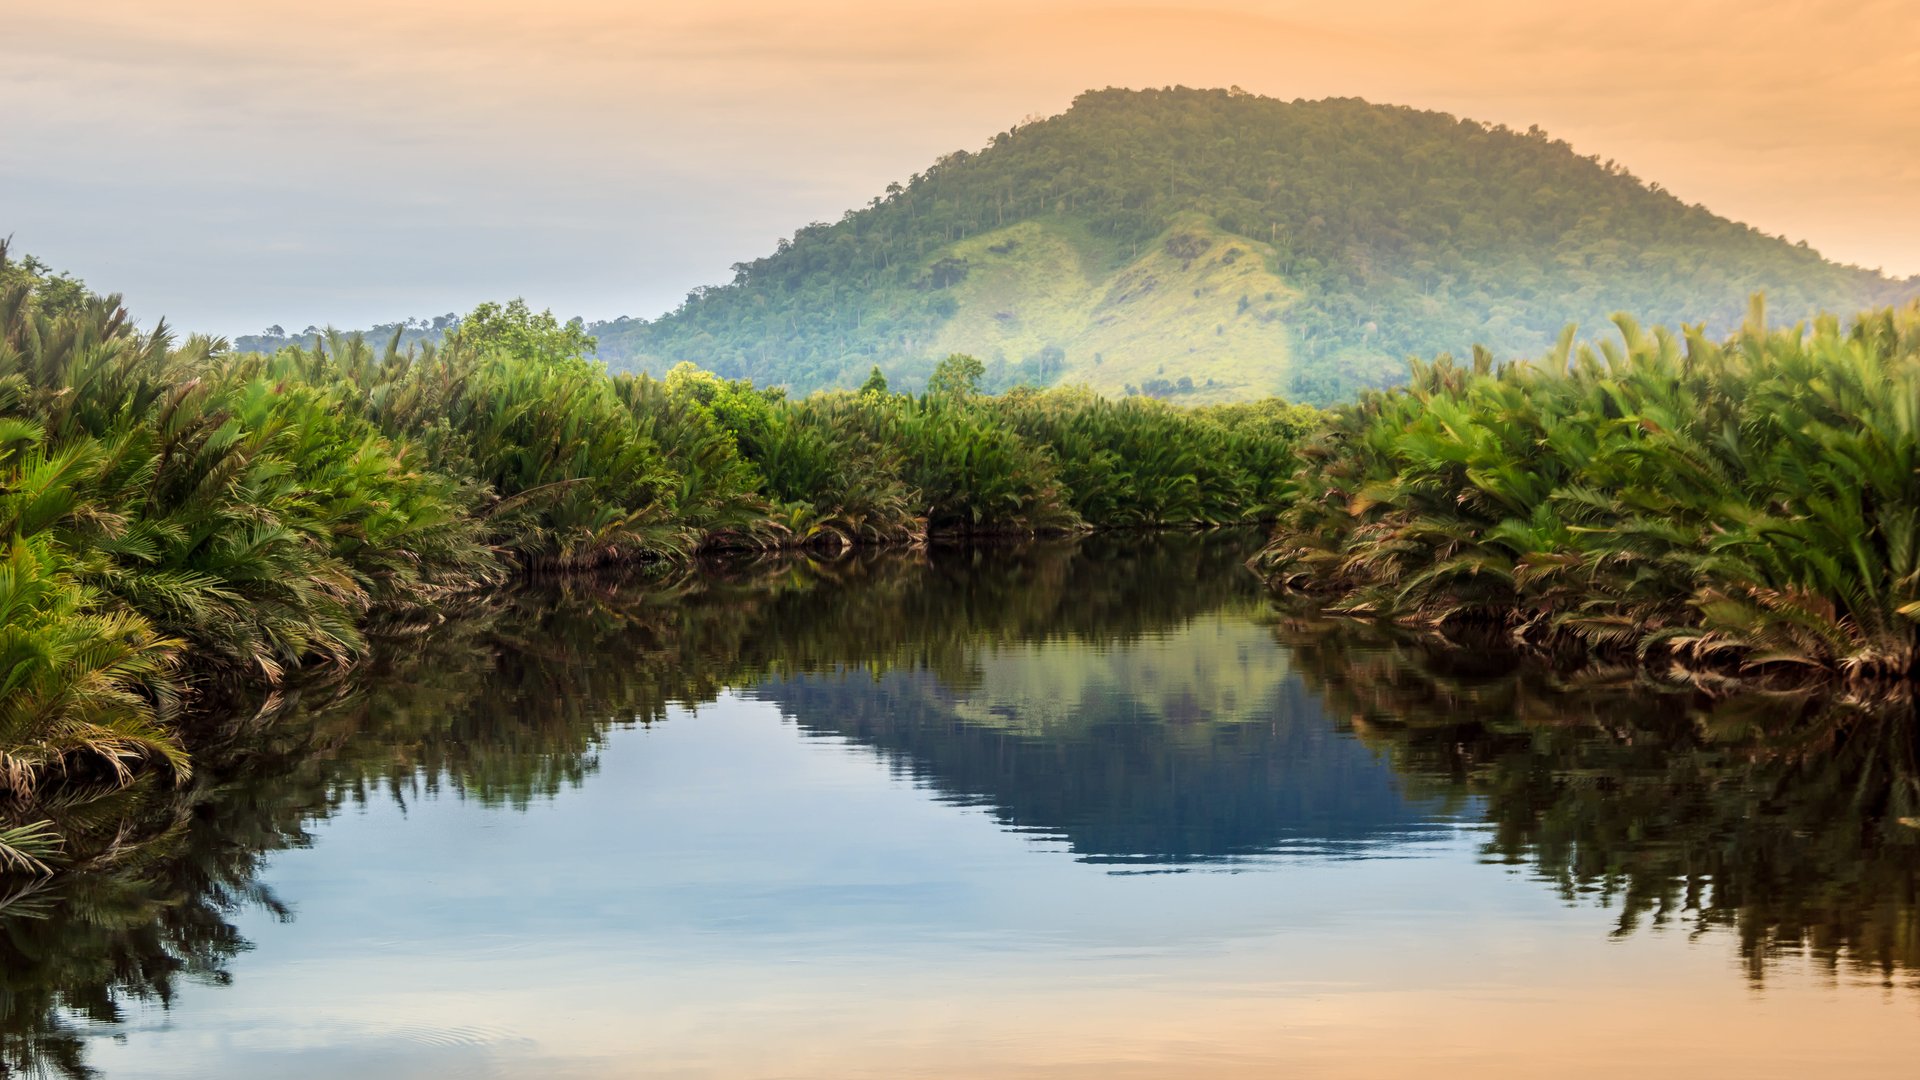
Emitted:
<point x="1387" y="231"/>
<point x="163" y="499"/>
<point x="1751" y="504"/>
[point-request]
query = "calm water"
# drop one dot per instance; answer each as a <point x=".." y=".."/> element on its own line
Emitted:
<point x="1066" y="810"/>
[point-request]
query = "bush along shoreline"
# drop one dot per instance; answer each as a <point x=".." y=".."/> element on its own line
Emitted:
<point x="1745" y="511"/>
<point x="180" y="519"/>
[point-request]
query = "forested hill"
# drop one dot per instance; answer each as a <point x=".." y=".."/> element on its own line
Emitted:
<point x="1303" y="247"/>
<point x="1212" y="244"/>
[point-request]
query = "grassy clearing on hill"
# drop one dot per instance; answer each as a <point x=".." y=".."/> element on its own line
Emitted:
<point x="1045" y="304"/>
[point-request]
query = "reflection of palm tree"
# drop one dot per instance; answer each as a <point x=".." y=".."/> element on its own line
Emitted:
<point x="1776" y="817"/>
<point x="143" y="901"/>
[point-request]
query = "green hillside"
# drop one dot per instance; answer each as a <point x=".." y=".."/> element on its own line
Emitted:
<point x="1038" y="304"/>
<point x="1242" y="244"/>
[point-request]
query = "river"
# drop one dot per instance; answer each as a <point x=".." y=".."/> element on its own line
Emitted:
<point x="1088" y="808"/>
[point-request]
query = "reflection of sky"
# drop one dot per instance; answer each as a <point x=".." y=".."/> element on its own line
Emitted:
<point x="728" y="898"/>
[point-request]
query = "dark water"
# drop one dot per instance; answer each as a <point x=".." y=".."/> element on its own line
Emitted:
<point x="1088" y="809"/>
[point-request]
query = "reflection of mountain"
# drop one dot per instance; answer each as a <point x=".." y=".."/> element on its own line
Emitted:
<point x="1219" y="667"/>
<point x="1190" y="745"/>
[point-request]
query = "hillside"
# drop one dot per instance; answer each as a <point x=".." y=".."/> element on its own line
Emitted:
<point x="1308" y="248"/>
<point x="1210" y="245"/>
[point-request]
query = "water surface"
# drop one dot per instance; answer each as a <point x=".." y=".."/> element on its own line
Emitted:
<point x="1072" y="809"/>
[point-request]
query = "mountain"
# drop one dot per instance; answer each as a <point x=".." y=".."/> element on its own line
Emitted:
<point x="1246" y="244"/>
<point x="1212" y="245"/>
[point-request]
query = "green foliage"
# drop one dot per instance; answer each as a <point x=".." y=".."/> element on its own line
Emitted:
<point x="258" y="512"/>
<point x="516" y="331"/>
<point x="161" y="502"/>
<point x="1141" y="462"/>
<point x="1383" y="232"/>
<point x="81" y="684"/>
<point x="957" y="376"/>
<point x="1752" y="503"/>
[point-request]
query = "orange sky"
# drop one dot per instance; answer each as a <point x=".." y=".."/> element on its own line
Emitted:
<point x="234" y="163"/>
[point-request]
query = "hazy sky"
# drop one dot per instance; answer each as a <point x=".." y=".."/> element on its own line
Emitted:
<point x="234" y="163"/>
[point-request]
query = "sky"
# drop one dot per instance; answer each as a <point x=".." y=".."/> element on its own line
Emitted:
<point x="232" y="164"/>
